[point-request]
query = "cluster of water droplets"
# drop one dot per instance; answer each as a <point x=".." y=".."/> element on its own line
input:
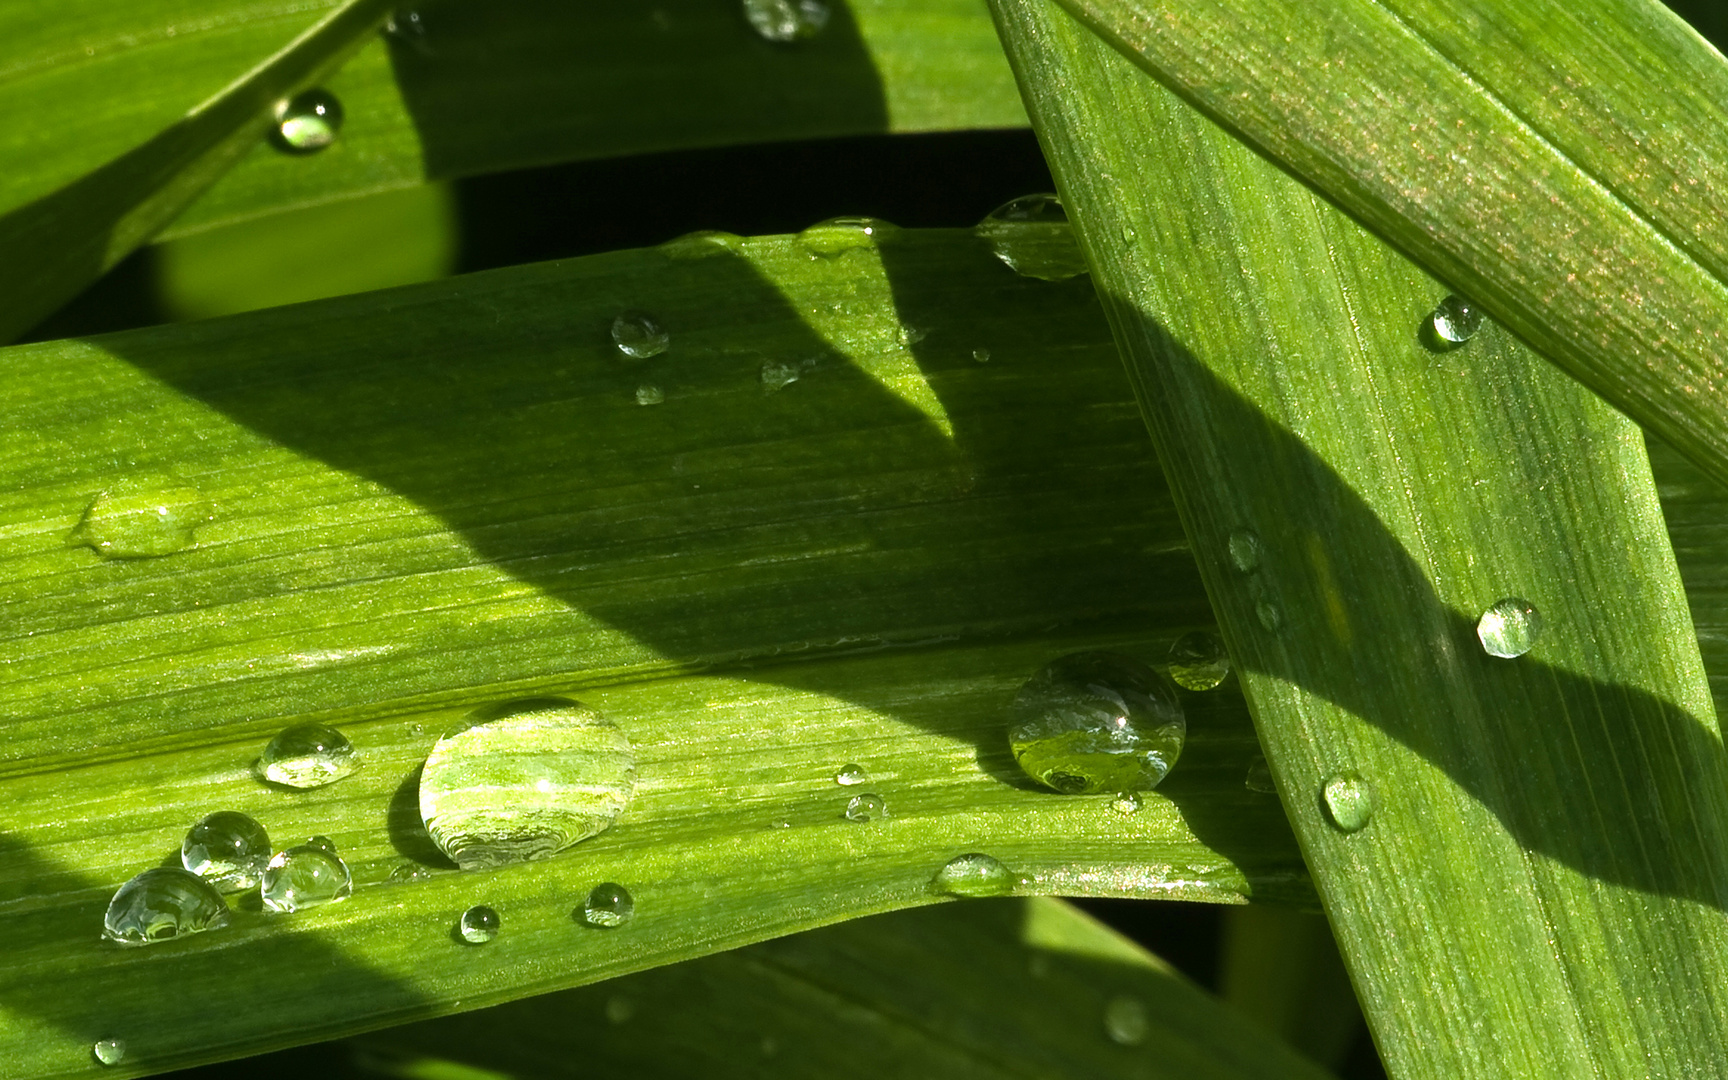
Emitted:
<point x="1097" y="723"/>
<point x="1245" y="553"/>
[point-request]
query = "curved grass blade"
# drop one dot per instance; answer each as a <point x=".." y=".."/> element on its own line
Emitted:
<point x="1523" y="860"/>
<point x="997" y="989"/>
<point x="410" y="504"/>
<point x="1564" y="164"/>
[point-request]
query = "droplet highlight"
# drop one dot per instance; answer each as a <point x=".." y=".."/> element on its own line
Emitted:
<point x="865" y="807"/>
<point x="649" y="394"/>
<point x="974" y="874"/>
<point x="1097" y="722"/>
<point x="1510" y="628"/>
<point x="140" y="519"/>
<point x="786" y="21"/>
<point x="639" y="335"/>
<point x="478" y="925"/>
<point x="228" y="849"/>
<point x="1126" y="1020"/>
<point x="1198" y="661"/>
<point x="308" y="122"/>
<point x="851" y="774"/>
<point x="1456" y="320"/>
<point x="1033" y="236"/>
<point x="163" y="903"/>
<point x="307" y="755"/>
<point x="1350" y="801"/>
<point x="305" y="876"/>
<point x="608" y="906"/>
<point x="524" y="780"/>
<point x="109" y="1051"/>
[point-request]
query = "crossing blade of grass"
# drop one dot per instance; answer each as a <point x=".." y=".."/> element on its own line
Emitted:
<point x="831" y="535"/>
<point x="1565" y="164"/>
<point x="62" y="239"/>
<point x="993" y="989"/>
<point x="1523" y="859"/>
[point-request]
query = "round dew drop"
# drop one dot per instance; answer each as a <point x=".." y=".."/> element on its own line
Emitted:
<point x="1350" y="802"/>
<point x="1509" y="628"/>
<point x="1126" y="1021"/>
<point x="649" y="394"/>
<point x="1456" y="320"/>
<point x="478" y="925"/>
<point x="1097" y="722"/>
<point x="307" y="755"/>
<point x="308" y="122"/>
<point x="974" y="874"/>
<point x="1033" y="237"/>
<point x="227" y="849"/>
<point x="1259" y="778"/>
<point x="524" y="780"/>
<point x="862" y="808"/>
<point x="785" y="21"/>
<point x="639" y="335"/>
<point x="1127" y="803"/>
<point x="163" y="903"/>
<point x="851" y="775"/>
<point x="1198" y="661"/>
<point x="1244" y="548"/>
<point x="608" y="906"/>
<point x="109" y="1051"/>
<point x="308" y="875"/>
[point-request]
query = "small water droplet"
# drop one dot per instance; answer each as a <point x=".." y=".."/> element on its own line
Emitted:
<point x="619" y="1009"/>
<point x="1126" y="1020"/>
<point x="1270" y="615"/>
<point x="911" y="335"/>
<point x="228" y="849"/>
<point x="408" y="872"/>
<point x="1033" y="236"/>
<point x="1456" y="320"/>
<point x="981" y="355"/>
<point x="1245" y="551"/>
<point x="609" y="906"/>
<point x="783" y="21"/>
<point x="781" y="824"/>
<point x="1350" y="801"/>
<point x="305" y="876"/>
<point x="851" y="774"/>
<point x="478" y="925"/>
<point x="1097" y="722"/>
<point x="1198" y="661"/>
<point x="1128" y="234"/>
<point x="524" y="780"/>
<point x="1509" y="628"/>
<point x="862" y="808"/>
<point x="163" y="903"/>
<point x="779" y="374"/>
<point x="838" y="235"/>
<point x="409" y="27"/>
<point x="308" y="122"/>
<point x="973" y="874"/>
<point x="649" y="394"/>
<point x="703" y="244"/>
<point x="109" y="1051"/>
<point x="1126" y="803"/>
<point x="639" y="335"/>
<point x="307" y="755"/>
<point x="1259" y="777"/>
<point x="139" y="519"/>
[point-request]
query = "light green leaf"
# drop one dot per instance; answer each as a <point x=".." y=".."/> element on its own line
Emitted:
<point x="1525" y="860"/>
<point x="1563" y="162"/>
<point x="1002" y="988"/>
<point x="428" y="499"/>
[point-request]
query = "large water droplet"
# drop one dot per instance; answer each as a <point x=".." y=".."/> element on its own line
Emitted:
<point x="1097" y="722"/>
<point x="305" y="876"/>
<point x="1350" y="801"/>
<point x="649" y="394"/>
<point x="851" y="774"/>
<point x="307" y="755"/>
<point x="974" y="874"/>
<point x="1509" y="628"/>
<point x="1244" y="548"/>
<point x="1198" y="661"/>
<point x="1126" y="1020"/>
<point x="524" y="780"/>
<point x="227" y="849"/>
<point x="160" y="904"/>
<point x="608" y="906"/>
<point x="478" y="925"/>
<point x="1259" y="778"/>
<point x="109" y="1051"/>
<point x="1456" y="320"/>
<point x="137" y="519"/>
<point x="838" y="235"/>
<point x="639" y="335"/>
<point x="308" y="122"/>
<point x="862" y="808"/>
<point x="1032" y="235"/>
<point x="703" y="244"/>
<point x="783" y="21"/>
